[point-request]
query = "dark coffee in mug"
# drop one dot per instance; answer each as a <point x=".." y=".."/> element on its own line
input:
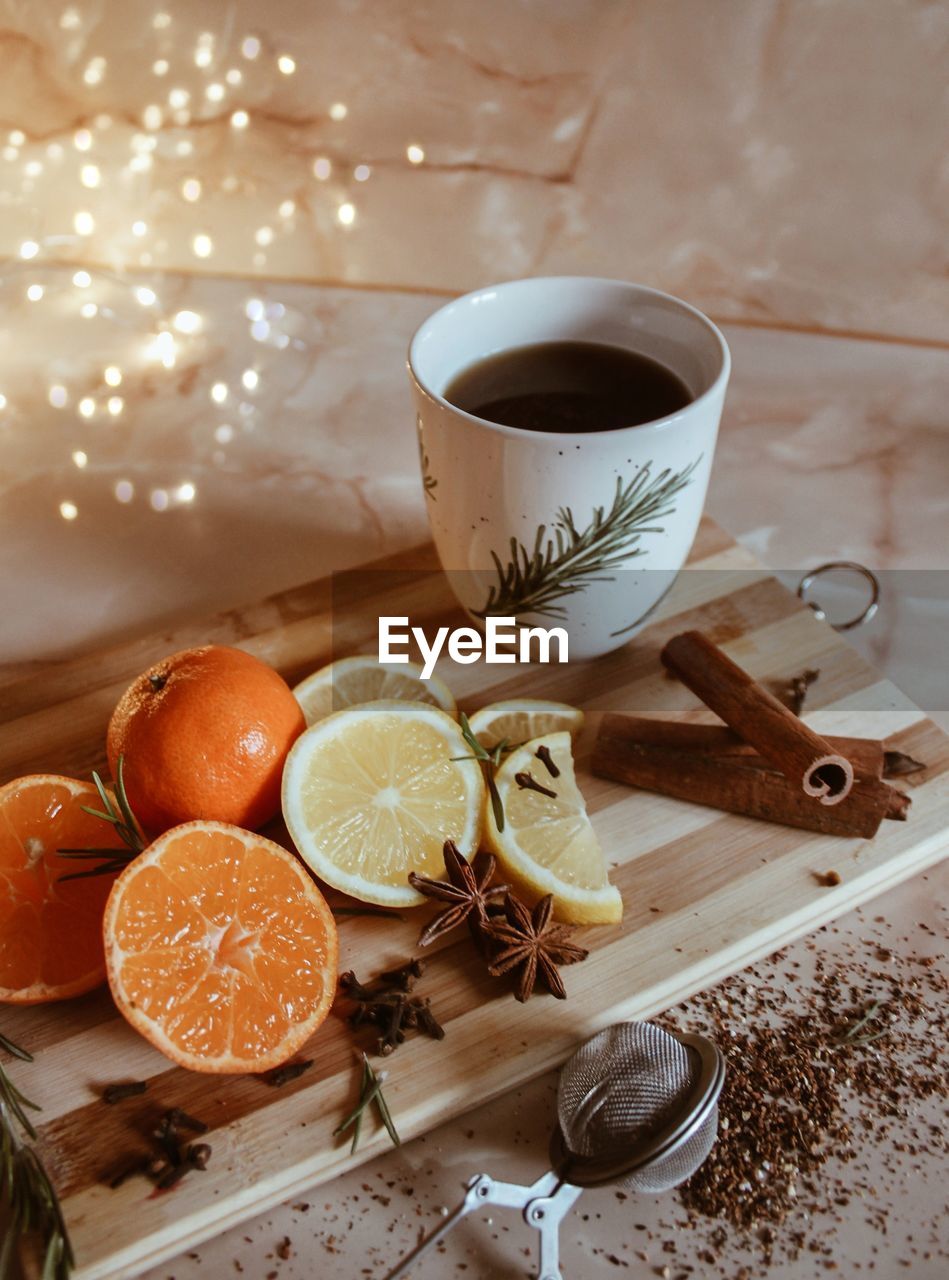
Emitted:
<point x="568" y="387"/>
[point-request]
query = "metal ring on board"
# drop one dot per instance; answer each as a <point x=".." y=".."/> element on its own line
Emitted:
<point x="871" y="607"/>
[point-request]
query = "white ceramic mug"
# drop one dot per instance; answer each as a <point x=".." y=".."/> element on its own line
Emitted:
<point x="588" y="530"/>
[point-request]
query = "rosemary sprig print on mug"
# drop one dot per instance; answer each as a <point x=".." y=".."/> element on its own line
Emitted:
<point x="565" y="559"/>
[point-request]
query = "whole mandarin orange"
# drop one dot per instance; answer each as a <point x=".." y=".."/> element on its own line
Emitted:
<point x="204" y="734"/>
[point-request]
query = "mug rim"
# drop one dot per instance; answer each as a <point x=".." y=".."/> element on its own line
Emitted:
<point x="520" y="433"/>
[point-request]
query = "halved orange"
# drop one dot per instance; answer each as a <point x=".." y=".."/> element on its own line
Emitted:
<point x="50" y="929"/>
<point x="220" y="949"/>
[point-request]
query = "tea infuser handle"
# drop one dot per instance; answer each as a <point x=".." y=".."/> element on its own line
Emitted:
<point x="545" y="1214"/>
<point x="482" y="1190"/>
<point x="809" y="578"/>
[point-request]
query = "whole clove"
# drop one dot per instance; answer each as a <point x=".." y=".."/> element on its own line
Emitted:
<point x="527" y="782"/>
<point x="113" y="1093"/>
<point x="543" y="755"/>
<point x="279" y="1076"/>
<point x="385" y="1003"/>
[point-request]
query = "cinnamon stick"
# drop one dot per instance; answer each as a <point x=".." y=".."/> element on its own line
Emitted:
<point x="736" y="785"/>
<point x="867" y="755"/>
<point x="802" y="755"/>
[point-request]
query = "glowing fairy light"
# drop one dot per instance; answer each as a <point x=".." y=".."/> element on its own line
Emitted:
<point x="95" y="71"/>
<point x="260" y="330"/>
<point x="339" y="111"/>
<point x="219" y="392"/>
<point x="160" y="67"/>
<point x="139" y="228"/>
<point x="35" y="292"/>
<point x="202" y="245"/>
<point x="162" y="348"/>
<point x="16" y="137"/>
<point x="82" y="140"/>
<point x="286" y="65"/>
<point x="158" y="499"/>
<point x="3" y="401"/>
<point x="287" y="208"/>
<point x="250" y="47"/>
<point x="89" y="175"/>
<point x="215" y="91"/>
<point x="187" y="322"/>
<point x="87" y="406"/>
<point x="184" y="147"/>
<point x="84" y="223"/>
<point x="346" y="213"/>
<point x="186" y="492"/>
<point x="250" y="378"/>
<point x="224" y="433"/>
<point x="69" y="19"/>
<point x="144" y="296"/>
<point x="29" y="249"/>
<point x="240" y="120"/>
<point x="178" y="98"/>
<point x="82" y="279"/>
<point x="415" y="153"/>
<point x="233" y="76"/>
<point x="10" y="153"/>
<point x="322" y="168"/>
<point x="254" y="309"/>
<point x="141" y="163"/>
<point x="264" y="236"/>
<point x="68" y="510"/>
<point x="58" y="396"/>
<point x="33" y="168"/>
<point x="152" y="116"/>
<point x="80" y="458"/>
<point x="115" y="405"/>
<point x="124" y="491"/>
<point x="112" y="376"/>
<point x="361" y="172"/>
<point x="88" y="310"/>
<point x="203" y="55"/>
<point x="191" y="189"/>
<point x="161" y="21"/>
<point x="55" y="151"/>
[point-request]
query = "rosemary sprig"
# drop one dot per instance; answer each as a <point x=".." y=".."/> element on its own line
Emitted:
<point x="851" y="1033"/>
<point x="490" y="762"/>
<point x="370" y="1090"/>
<point x="568" y="559"/>
<point x="25" y="1186"/>
<point x="122" y="819"/>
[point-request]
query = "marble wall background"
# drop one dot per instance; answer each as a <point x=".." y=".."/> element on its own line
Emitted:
<point x="775" y="161"/>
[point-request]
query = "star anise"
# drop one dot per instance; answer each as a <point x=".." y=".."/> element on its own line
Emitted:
<point x="532" y="944"/>
<point x="468" y="892"/>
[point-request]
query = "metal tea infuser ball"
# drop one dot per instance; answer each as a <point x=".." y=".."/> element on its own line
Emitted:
<point x="636" y="1105"/>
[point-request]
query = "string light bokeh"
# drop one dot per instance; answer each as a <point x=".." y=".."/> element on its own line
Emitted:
<point x="104" y="209"/>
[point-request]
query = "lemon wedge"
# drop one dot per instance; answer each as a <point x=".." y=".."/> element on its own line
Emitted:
<point x="520" y="719"/>
<point x="349" y="682"/>
<point x="548" y="844"/>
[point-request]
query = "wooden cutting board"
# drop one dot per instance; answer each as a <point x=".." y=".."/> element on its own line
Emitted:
<point x="705" y="894"/>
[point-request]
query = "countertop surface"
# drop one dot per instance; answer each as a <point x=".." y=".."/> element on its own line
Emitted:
<point x="221" y="231"/>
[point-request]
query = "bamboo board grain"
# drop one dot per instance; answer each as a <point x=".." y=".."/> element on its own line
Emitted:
<point x="705" y="893"/>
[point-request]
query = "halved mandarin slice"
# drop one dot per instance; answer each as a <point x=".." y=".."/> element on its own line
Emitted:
<point x="350" y="682"/>
<point x="372" y="793"/>
<point x="520" y="719"/>
<point x="50" y="928"/>
<point x="548" y="844"/>
<point x="220" y="949"/>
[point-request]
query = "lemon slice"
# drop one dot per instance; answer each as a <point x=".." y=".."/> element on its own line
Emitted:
<point x="352" y="681"/>
<point x="520" y="719"/>
<point x="548" y="845"/>
<point x="372" y="793"/>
